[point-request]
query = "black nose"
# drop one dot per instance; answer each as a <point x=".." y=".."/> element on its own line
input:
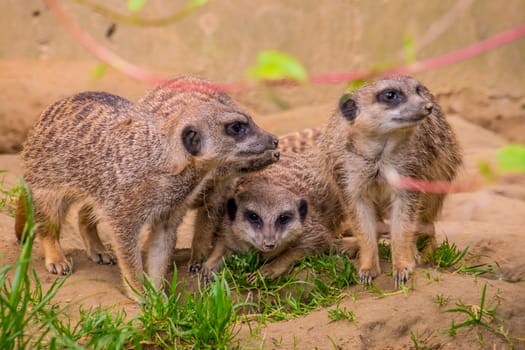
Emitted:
<point x="276" y="155"/>
<point x="269" y="245"/>
<point x="429" y="107"/>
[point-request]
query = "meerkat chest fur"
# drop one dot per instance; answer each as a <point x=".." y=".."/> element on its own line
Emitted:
<point x="368" y="162"/>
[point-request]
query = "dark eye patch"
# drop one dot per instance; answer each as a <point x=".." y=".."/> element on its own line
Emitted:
<point x="253" y="218"/>
<point x="391" y="97"/>
<point x="284" y="218"/>
<point x="237" y="129"/>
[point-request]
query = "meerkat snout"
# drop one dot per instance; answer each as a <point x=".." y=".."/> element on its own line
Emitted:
<point x="429" y="107"/>
<point x="269" y="244"/>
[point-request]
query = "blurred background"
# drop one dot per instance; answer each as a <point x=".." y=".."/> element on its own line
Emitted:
<point x="40" y="61"/>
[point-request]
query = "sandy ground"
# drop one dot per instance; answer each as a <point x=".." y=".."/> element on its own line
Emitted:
<point x="491" y="221"/>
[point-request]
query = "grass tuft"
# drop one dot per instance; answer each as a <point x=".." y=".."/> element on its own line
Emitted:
<point x="480" y="316"/>
<point x="9" y="197"/>
<point x="447" y="255"/>
<point x="316" y="281"/>
<point x="26" y="315"/>
<point x="338" y="314"/>
<point x="205" y="319"/>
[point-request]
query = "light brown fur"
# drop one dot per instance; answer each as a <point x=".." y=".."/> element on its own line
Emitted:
<point x="137" y="167"/>
<point x="287" y="189"/>
<point x="300" y="141"/>
<point x="366" y="139"/>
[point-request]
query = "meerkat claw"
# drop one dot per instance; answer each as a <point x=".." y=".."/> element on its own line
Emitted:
<point x="60" y="268"/>
<point x="206" y="277"/>
<point x="253" y="277"/>
<point x="195" y="267"/>
<point x="106" y="259"/>
<point x="401" y="277"/>
<point x="365" y="278"/>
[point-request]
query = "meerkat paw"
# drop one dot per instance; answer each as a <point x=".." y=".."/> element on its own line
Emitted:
<point x="272" y="271"/>
<point x="366" y="275"/>
<point x="401" y="275"/>
<point x="195" y="267"/>
<point x="59" y="266"/>
<point x="103" y="257"/>
<point x="206" y="275"/>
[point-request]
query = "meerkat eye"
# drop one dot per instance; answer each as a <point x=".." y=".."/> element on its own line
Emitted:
<point x="420" y="90"/>
<point x="237" y="129"/>
<point x="391" y="97"/>
<point x="253" y="218"/>
<point x="284" y="218"/>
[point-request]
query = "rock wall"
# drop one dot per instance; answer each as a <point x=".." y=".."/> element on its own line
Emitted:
<point x="40" y="61"/>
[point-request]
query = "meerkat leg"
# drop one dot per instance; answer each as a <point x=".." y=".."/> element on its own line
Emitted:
<point x="55" y="260"/>
<point x="50" y="211"/>
<point x="20" y="218"/>
<point x="430" y="207"/>
<point x="426" y="231"/>
<point x="95" y="249"/>
<point x="366" y="233"/>
<point x="203" y="238"/>
<point x="403" y="239"/>
<point x="127" y="249"/>
<point x="214" y="261"/>
<point x="347" y="245"/>
<point x="163" y="240"/>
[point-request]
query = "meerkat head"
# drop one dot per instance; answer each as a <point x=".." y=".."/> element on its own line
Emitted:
<point x="387" y="105"/>
<point x="268" y="217"/>
<point x="207" y="128"/>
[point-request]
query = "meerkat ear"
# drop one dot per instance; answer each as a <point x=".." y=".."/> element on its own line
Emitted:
<point x="348" y="107"/>
<point x="191" y="139"/>
<point x="231" y="208"/>
<point x="303" y="209"/>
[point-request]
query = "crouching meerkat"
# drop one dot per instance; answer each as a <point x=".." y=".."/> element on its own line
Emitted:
<point x="390" y="126"/>
<point x="285" y="212"/>
<point x="137" y="167"/>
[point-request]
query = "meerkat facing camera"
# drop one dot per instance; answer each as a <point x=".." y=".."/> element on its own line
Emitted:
<point x="284" y="212"/>
<point x="133" y="169"/>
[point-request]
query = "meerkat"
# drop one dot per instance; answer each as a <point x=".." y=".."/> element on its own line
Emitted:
<point x="138" y="167"/>
<point x="284" y="212"/>
<point x="392" y="126"/>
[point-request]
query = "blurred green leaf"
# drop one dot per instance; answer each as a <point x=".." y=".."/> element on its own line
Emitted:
<point x="409" y="49"/>
<point x="99" y="71"/>
<point x="273" y="65"/>
<point x="485" y="169"/>
<point x="511" y="158"/>
<point x="356" y="84"/>
<point x="136" y="5"/>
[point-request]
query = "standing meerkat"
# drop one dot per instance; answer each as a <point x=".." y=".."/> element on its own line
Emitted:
<point x="133" y="169"/>
<point x="285" y="212"/>
<point x="390" y="126"/>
